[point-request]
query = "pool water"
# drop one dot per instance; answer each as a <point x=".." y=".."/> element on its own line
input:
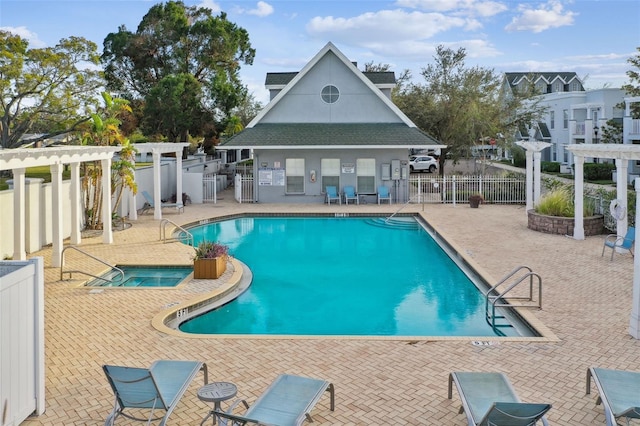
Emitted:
<point x="143" y="276"/>
<point x="342" y="276"/>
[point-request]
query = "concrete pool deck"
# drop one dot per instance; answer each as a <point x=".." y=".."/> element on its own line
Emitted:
<point x="586" y="304"/>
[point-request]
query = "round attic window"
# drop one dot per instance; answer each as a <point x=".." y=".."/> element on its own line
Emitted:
<point x="330" y="94"/>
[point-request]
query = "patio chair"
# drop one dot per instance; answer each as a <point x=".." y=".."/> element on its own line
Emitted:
<point x="149" y="204"/>
<point x="288" y="401"/>
<point x="383" y="194"/>
<point x="489" y="399"/>
<point x="350" y="194"/>
<point x="332" y="194"/>
<point x="619" y="393"/>
<point x="159" y="387"/>
<point x="614" y="241"/>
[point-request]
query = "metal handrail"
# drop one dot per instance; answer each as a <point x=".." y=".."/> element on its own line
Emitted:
<point x="120" y="271"/>
<point x="163" y="232"/>
<point x="495" y="298"/>
<point x="400" y="209"/>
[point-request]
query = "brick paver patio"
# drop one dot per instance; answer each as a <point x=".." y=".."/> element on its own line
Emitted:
<point x="587" y="303"/>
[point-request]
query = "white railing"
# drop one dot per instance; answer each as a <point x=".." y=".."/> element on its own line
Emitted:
<point x="243" y="188"/>
<point x="635" y="127"/>
<point x="456" y="189"/>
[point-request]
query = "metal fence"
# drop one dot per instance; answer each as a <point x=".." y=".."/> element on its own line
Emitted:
<point x="457" y="189"/>
<point x="243" y="188"/>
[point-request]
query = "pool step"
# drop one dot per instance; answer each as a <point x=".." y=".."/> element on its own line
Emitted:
<point x="407" y="223"/>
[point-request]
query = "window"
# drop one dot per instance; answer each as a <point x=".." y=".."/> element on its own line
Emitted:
<point x="552" y="119"/>
<point x="575" y="86"/>
<point x="294" y="169"/>
<point x="565" y="119"/>
<point x="330" y="172"/>
<point x="558" y="86"/>
<point x="366" y="175"/>
<point x="330" y="94"/>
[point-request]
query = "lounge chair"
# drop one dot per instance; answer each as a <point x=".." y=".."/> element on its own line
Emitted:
<point x="159" y="387"/>
<point x="489" y="399"/>
<point x="332" y="194"/>
<point x="619" y="393"/>
<point x="287" y="401"/>
<point x="383" y="194"/>
<point x="149" y="204"/>
<point x="350" y="194"/>
<point x="614" y="241"/>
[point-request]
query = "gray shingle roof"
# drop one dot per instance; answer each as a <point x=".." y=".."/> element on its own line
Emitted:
<point x="283" y="78"/>
<point x="329" y="134"/>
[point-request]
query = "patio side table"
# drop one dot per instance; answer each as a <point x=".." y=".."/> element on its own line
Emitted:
<point x="216" y="392"/>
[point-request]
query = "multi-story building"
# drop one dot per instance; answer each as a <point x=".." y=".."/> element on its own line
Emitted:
<point x="573" y="115"/>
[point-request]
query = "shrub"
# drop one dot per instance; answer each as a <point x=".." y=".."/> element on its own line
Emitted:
<point x="550" y="166"/>
<point x="556" y="203"/>
<point x="598" y="171"/>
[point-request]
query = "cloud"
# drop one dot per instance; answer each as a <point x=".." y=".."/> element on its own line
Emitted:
<point x="210" y="4"/>
<point x="25" y="33"/>
<point x="262" y="9"/>
<point x="383" y="26"/>
<point x="461" y="7"/>
<point x="546" y="16"/>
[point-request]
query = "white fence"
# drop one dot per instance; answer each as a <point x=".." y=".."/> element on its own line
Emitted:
<point x="456" y="189"/>
<point x="22" y="389"/>
<point x="243" y="188"/>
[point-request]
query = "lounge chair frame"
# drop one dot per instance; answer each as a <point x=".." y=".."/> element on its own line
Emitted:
<point x="494" y="402"/>
<point x="288" y="401"/>
<point x="160" y="387"/>
<point x="332" y="194"/>
<point x="149" y="204"/>
<point x="349" y="192"/>
<point x="619" y="393"/>
<point x="614" y="241"/>
<point x="384" y="194"/>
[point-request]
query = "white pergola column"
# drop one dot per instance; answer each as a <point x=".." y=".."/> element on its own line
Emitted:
<point x="56" y="214"/>
<point x="133" y="206"/>
<point x="107" y="229"/>
<point x="179" y="178"/>
<point x="578" y="228"/>
<point x="634" y="321"/>
<point x="621" y="193"/>
<point x="537" y="166"/>
<point x="157" y="186"/>
<point x="19" y="212"/>
<point x="529" y="179"/>
<point x="76" y="205"/>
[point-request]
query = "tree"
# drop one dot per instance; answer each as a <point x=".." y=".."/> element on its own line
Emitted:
<point x="463" y="107"/>
<point x="103" y="130"/>
<point x="174" y="41"/>
<point x="45" y="89"/>
<point x="633" y="87"/>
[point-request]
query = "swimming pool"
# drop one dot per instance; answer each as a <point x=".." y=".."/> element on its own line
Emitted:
<point x="143" y="276"/>
<point x="343" y="276"/>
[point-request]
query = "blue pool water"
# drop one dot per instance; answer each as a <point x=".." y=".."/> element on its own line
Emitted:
<point x="143" y="276"/>
<point x="342" y="276"/>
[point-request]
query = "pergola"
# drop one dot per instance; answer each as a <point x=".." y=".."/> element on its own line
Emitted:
<point x="157" y="149"/>
<point x="622" y="154"/>
<point x="19" y="159"/>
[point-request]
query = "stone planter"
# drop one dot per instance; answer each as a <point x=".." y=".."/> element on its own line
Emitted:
<point x="209" y="268"/>
<point x="475" y="201"/>
<point x="593" y="225"/>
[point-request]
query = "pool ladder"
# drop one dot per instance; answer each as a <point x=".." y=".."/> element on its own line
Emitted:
<point x="497" y="297"/>
<point x="120" y="272"/>
<point x="185" y="236"/>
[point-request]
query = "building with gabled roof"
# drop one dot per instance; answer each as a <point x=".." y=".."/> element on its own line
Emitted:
<point x="330" y="124"/>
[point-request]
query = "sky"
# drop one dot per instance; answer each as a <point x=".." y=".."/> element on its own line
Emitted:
<point x="593" y="38"/>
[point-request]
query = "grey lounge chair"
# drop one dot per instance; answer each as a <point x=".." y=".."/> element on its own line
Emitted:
<point x="619" y="393"/>
<point x="288" y="401"/>
<point x="488" y="399"/>
<point x="159" y="387"/>
<point x="149" y="204"/>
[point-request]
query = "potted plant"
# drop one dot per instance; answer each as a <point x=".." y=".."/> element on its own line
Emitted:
<point x="210" y="260"/>
<point x="475" y="200"/>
